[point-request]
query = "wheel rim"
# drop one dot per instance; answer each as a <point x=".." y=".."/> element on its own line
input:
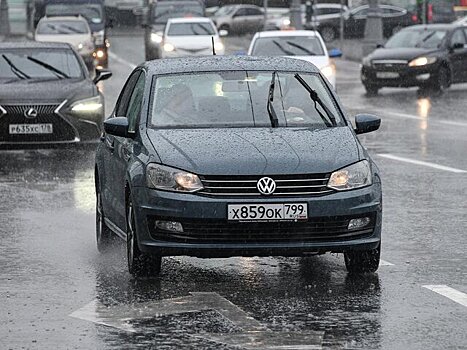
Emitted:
<point x="130" y="235"/>
<point x="443" y="79"/>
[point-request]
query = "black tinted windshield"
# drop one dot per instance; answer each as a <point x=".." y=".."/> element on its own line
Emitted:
<point x="194" y="28"/>
<point x="164" y="11"/>
<point x="237" y="99"/>
<point x="92" y="13"/>
<point x="62" y="27"/>
<point x="17" y="64"/>
<point x="288" y="46"/>
<point x="423" y="38"/>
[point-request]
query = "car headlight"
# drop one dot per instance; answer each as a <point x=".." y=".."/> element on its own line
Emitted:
<point x="218" y="46"/>
<point x="99" y="37"/>
<point x="354" y="176"/>
<point x="168" y="47"/>
<point x="92" y="104"/>
<point x="156" y="38"/>
<point x="328" y="71"/>
<point x="170" y="179"/>
<point x="422" y="61"/>
<point x="286" y="22"/>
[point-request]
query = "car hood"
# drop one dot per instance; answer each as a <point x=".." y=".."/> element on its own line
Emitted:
<point x="191" y="41"/>
<point x="46" y="91"/>
<point x="402" y="53"/>
<point x="256" y="151"/>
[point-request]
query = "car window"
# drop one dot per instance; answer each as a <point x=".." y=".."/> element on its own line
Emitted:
<point x="171" y="9"/>
<point x="123" y="99"/>
<point x="135" y="104"/>
<point x="253" y="12"/>
<point x="194" y="28"/>
<point x="288" y="46"/>
<point x="241" y="12"/>
<point x="390" y="12"/>
<point x="28" y="62"/>
<point x="237" y="99"/>
<point x="361" y="12"/>
<point x="458" y="37"/>
<point x="62" y="27"/>
<point x="92" y="12"/>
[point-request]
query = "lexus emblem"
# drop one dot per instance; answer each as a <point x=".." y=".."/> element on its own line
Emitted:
<point x="266" y="186"/>
<point x="30" y="113"/>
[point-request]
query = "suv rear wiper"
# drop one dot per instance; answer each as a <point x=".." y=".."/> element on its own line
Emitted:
<point x="16" y="71"/>
<point x="47" y="66"/>
<point x="270" y="107"/>
<point x="314" y="96"/>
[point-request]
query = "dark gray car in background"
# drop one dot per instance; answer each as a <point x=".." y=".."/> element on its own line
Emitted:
<point x="47" y="96"/>
<point x="235" y="156"/>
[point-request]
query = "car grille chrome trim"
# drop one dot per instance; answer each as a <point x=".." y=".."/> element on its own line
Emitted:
<point x="286" y="185"/>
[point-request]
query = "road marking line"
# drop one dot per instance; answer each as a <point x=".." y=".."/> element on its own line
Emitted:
<point x="448" y="292"/>
<point x="419" y="162"/>
<point x="385" y="263"/>
<point x="122" y="60"/>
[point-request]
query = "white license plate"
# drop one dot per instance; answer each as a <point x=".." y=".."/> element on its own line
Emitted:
<point x="26" y="129"/>
<point x="267" y="212"/>
<point x="387" y="75"/>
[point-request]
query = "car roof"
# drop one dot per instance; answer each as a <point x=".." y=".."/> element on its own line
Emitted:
<point x="33" y="45"/>
<point x="63" y="18"/>
<point x="227" y="63"/>
<point x="189" y="20"/>
<point x="276" y="33"/>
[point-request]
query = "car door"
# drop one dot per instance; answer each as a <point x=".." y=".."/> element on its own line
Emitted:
<point x="458" y="54"/>
<point x="255" y="19"/>
<point x="123" y="147"/>
<point x="240" y="20"/>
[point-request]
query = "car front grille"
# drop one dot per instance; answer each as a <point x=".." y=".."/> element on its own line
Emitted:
<point x="223" y="231"/>
<point x="389" y="64"/>
<point x="46" y="114"/>
<point x="286" y="185"/>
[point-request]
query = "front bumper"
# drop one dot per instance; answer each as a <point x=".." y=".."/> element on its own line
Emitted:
<point x="402" y="76"/>
<point x="151" y="205"/>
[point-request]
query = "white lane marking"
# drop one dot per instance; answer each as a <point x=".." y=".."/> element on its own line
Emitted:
<point x="122" y="60"/>
<point x="448" y="292"/>
<point x="420" y="162"/>
<point x="385" y="263"/>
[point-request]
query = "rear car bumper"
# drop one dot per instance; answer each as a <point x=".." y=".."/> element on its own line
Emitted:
<point x="208" y="233"/>
<point x="402" y="77"/>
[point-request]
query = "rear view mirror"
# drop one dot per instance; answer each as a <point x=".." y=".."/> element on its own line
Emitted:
<point x="102" y="74"/>
<point x="333" y="53"/>
<point x="117" y="127"/>
<point x="365" y="123"/>
<point x="223" y="32"/>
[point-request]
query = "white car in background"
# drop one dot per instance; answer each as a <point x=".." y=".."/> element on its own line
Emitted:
<point x="300" y="44"/>
<point x="70" y="29"/>
<point x="191" y="37"/>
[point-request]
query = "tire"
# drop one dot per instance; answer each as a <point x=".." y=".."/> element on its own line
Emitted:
<point x="442" y="82"/>
<point x="104" y="235"/>
<point x="151" y="54"/>
<point x="139" y="263"/>
<point x="362" y="261"/>
<point x="371" y="90"/>
<point x="328" y="33"/>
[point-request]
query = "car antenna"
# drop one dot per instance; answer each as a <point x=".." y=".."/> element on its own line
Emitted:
<point x="213" y="47"/>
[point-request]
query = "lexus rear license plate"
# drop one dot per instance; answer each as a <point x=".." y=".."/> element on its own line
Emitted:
<point x="27" y="129"/>
<point x="387" y="75"/>
<point x="267" y="212"/>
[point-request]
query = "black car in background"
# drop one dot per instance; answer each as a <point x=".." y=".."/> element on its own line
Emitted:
<point x="429" y="56"/>
<point x="47" y="96"/>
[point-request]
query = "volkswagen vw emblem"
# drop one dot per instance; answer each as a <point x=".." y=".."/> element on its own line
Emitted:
<point x="30" y="113"/>
<point x="266" y="186"/>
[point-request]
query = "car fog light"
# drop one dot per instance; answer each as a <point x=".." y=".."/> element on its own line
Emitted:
<point x="355" y="224"/>
<point x="425" y="76"/>
<point x="173" y="226"/>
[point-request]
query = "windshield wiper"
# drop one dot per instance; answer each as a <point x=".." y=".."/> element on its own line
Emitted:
<point x="425" y="39"/>
<point x="16" y="71"/>
<point x="202" y="28"/>
<point x="270" y="107"/>
<point x="300" y="47"/>
<point x="287" y="52"/>
<point x="47" y="66"/>
<point x="314" y="96"/>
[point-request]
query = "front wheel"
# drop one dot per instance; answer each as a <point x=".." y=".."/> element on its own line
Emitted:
<point x="442" y="81"/>
<point x="362" y="261"/>
<point x="139" y="263"/>
<point x="103" y="233"/>
<point x="371" y="90"/>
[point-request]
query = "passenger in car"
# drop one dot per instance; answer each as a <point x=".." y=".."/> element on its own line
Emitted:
<point x="179" y="107"/>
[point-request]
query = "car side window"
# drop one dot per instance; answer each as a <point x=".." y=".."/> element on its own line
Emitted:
<point x="253" y="12"/>
<point x="240" y="12"/>
<point x="135" y="103"/>
<point x="362" y="13"/>
<point x="124" y="98"/>
<point x="458" y="38"/>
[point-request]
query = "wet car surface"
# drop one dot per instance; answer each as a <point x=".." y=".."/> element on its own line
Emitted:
<point x="51" y="269"/>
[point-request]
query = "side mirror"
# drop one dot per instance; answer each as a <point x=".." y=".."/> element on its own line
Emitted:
<point x="117" y="126"/>
<point x="366" y="123"/>
<point x="223" y="32"/>
<point x="333" y="53"/>
<point x="101" y="74"/>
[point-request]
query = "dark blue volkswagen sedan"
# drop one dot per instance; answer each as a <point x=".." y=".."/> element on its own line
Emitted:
<point x="236" y="156"/>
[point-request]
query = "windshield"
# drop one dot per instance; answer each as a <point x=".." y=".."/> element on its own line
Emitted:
<point x="238" y="99"/>
<point x="422" y="38"/>
<point x="92" y="13"/>
<point x="26" y="64"/>
<point x="62" y="27"/>
<point x="164" y="11"/>
<point x="288" y="46"/>
<point x="195" y="28"/>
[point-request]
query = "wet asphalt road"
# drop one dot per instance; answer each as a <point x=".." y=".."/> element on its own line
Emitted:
<point x="50" y="268"/>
